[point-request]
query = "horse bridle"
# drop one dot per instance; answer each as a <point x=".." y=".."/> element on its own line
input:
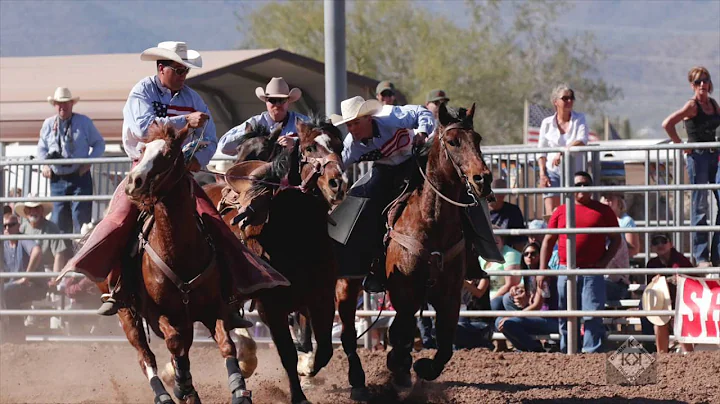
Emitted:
<point x="318" y="165"/>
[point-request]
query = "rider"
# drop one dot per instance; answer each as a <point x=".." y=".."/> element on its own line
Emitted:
<point x="384" y="135"/>
<point x="277" y="97"/>
<point x="164" y="98"/>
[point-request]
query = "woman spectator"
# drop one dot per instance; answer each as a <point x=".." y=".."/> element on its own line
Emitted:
<point x="701" y="116"/>
<point x="565" y="128"/>
<point x="512" y="261"/>
<point x="530" y="260"/>
<point x="617" y="285"/>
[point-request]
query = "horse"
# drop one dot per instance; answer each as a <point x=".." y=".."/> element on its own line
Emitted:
<point x="296" y="242"/>
<point x="258" y="143"/>
<point x="180" y="281"/>
<point x="426" y="253"/>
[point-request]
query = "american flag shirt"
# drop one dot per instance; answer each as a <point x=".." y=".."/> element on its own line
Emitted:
<point x="150" y="101"/>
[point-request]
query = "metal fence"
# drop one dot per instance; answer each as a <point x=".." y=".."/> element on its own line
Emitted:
<point x="663" y="177"/>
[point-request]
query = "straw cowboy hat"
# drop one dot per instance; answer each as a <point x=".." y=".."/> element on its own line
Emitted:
<point x="354" y="108"/>
<point x="175" y="51"/>
<point x="278" y="88"/>
<point x="20" y="206"/>
<point x="62" y="94"/>
<point x="657" y="297"/>
<point x="220" y="167"/>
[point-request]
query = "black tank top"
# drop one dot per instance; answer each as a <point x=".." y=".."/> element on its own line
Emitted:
<point x="702" y="127"/>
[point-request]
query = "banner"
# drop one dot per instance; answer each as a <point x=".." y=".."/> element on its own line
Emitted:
<point x="697" y="310"/>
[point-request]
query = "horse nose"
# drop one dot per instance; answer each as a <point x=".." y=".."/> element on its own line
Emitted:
<point x="479" y="179"/>
<point x="134" y="182"/>
<point x="334" y="184"/>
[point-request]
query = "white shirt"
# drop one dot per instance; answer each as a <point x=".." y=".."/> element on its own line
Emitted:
<point x="550" y="136"/>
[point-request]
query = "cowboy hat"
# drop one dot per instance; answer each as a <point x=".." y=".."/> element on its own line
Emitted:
<point x="20" y="207"/>
<point x="278" y="88"/>
<point x="175" y="51"/>
<point x="220" y="167"/>
<point x="657" y="297"/>
<point x="236" y="176"/>
<point x="354" y="108"/>
<point x="62" y="94"/>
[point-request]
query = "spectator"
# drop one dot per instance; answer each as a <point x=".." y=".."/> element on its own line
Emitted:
<point x="591" y="252"/>
<point x="55" y="253"/>
<point x="63" y="136"/>
<point x="565" y="128"/>
<point x="701" y="116"/>
<point x="385" y="93"/>
<point x="215" y="173"/>
<point x="277" y="97"/>
<point x="506" y="215"/>
<point x="536" y="225"/>
<point x="667" y="257"/>
<point x="530" y="260"/>
<point x="617" y="285"/>
<point x="475" y="332"/>
<point x="434" y="99"/>
<point x="512" y="262"/>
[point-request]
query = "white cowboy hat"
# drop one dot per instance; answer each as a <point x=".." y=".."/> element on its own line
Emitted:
<point x="278" y="88"/>
<point x="354" y="108"/>
<point x="175" y="51"/>
<point x="220" y="167"/>
<point x="20" y="206"/>
<point x="62" y="94"/>
<point x="657" y="297"/>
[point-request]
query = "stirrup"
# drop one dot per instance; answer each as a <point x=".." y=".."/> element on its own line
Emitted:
<point x="109" y="307"/>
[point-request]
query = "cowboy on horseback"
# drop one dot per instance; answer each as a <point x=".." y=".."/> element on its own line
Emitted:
<point x="164" y="99"/>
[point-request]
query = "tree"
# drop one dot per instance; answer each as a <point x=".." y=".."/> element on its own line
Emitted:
<point x="510" y="53"/>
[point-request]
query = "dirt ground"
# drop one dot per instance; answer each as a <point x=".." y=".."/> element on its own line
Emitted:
<point x="109" y="373"/>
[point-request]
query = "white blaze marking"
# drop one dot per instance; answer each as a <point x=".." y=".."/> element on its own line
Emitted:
<point x="152" y="150"/>
<point x="324" y="141"/>
<point x="151" y="371"/>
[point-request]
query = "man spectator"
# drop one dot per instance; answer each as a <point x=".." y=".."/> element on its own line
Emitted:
<point x="506" y="215"/>
<point x="385" y="93"/>
<point x="475" y="332"/>
<point x="63" y="136"/>
<point x="590" y="252"/>
<point x="667" y="257"/>
<point x="434" y="99"/>
<point x="277" y="97"/>
<point x="55" y="253"/>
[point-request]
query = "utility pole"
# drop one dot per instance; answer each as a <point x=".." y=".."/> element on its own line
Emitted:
<point x="335" y="68"/>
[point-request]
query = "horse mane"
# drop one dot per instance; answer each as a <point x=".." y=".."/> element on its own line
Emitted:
<point x="162" y="132"/>
<point x="258" y="131"/>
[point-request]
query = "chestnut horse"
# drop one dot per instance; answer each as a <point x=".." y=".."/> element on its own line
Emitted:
<point x="296" y="241"/>
<point x="176" y="242"/>
<point x="426" y="254"/>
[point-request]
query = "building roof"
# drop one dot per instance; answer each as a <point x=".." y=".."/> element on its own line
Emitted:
<point x="226" y="82"/>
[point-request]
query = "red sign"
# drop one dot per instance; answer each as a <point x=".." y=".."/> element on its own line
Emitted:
<point x="697" y="310"/>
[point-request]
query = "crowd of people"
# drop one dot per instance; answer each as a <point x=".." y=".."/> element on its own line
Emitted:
<point x="70" y="135"/>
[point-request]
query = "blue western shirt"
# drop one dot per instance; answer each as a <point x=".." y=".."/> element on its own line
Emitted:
<point x="72" y="138"/>
<point x="229" y="142"/>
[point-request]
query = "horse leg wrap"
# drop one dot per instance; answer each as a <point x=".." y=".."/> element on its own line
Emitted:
<point x="235" y="379"/>
<point x="161" y="395"/>
<point x="182" y="369"/>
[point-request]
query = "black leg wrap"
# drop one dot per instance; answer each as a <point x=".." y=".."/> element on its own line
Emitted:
<point x="182" y="368"/>
<point x="161" y="395"/>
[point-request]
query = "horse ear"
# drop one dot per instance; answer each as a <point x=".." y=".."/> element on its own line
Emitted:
<point x="470" y="112"/>
<point x="299" y="124"/>
<point x="443" y="115"/>
<point x="248" y="127"/>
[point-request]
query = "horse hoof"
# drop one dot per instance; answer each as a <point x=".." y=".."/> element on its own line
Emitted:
<point x="186" y="397"/>
<point x="361" y="394"/>
<point x="164" y="399"/>
<point x="402" y="381"/>
<point x="425" y="369"/>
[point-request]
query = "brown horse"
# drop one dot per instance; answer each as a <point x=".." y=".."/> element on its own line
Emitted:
<point x="180" y="281"/>
<point x="295" y="239"/>
<point x="426" y="255"/>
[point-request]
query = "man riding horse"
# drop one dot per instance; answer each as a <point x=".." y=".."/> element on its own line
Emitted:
<point x="165" y="99"/>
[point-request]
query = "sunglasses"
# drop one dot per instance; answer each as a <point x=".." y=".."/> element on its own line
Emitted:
<point x="661" y="240"/>
<point x="530" y="254"/>
<point x="277" y="101"/>
<point x="568" y="98"/>
<point x="582" y="184"/>
<point x="700" y="81"/>
<point x="387" y="93"/>
<point x="180" y="71"/>
<point x="9" y="225"/>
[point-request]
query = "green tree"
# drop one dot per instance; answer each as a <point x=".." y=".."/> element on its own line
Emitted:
<point x="510" y="53"/>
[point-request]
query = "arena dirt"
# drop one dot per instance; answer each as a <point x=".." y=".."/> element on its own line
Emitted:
<point x="109" y="373"/>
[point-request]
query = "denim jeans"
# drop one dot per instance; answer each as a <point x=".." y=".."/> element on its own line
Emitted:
<point x="473" y="333"/>
<point x="702" y="168"/>
<point x="70" y="216"/>
<point x="590" y="296"/>
<point x="427" y="333"/>
<point x="520" y="331"/>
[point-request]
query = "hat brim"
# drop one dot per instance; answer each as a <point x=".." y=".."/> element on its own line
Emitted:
<point x="293" y="96"/>
<point x="20" y="207"/>
<point x="661" y="302"/>
<point x="368" y="108"/>
<point x="194" y="60"/>
<point x="439" y="99"/>
<point x="52" y="100"/>
<point x="235" y="175"/>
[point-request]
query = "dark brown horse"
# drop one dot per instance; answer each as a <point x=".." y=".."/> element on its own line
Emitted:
<point x="295" y="239"/>
<point x="426" y="255"/>
<point x="176" y="242"/>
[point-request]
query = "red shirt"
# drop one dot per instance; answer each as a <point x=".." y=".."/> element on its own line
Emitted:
<point x="589" y="247"/>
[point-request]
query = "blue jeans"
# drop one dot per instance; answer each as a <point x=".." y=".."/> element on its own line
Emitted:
<point x="702" y="168"/>
<point x="70" y="216"/>
<point x="590" y="296"/>
<point x="15" y="294"/>
<point x="520" y="331"/>
<point x="473" y="333"/>
<point x="427" y="334"/>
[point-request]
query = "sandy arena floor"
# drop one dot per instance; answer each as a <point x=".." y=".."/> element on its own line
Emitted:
<point x="109" y="373"/>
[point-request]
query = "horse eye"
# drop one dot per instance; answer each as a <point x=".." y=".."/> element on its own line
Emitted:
<point x="310" y="149"/>
<point x="454" y="142"/>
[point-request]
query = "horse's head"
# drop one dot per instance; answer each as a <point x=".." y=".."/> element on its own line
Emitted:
<point x="258" y="143"/>
<point x="160" y="167"/>
<point x="320" y="151"/>
<point x="461" y="145"/>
